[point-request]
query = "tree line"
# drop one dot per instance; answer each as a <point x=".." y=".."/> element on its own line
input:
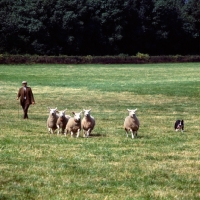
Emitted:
<point x="100" y="27"/>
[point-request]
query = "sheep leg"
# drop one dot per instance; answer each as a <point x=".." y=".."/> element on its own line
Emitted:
<point x="83" y="133"/>
<point x="136" y="133"/>
<point x="132" y="133"/>
<point x="58" y="132"/>
<point x="51" y="131"/>
<point x="78" y="132"/>
<point x="66" y="132"/>
<point x="88" y="133"/>
<point x="72" y="134"/>
<point x="126" y="133"/>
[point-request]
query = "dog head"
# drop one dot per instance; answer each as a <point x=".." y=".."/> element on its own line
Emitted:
<point x="179" y="125"/>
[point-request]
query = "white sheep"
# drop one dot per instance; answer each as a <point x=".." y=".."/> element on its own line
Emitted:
<point x="131" y="123"/>
<point x="62" y="121"/>
<point x="74" y="124"/>
<point x="87" y="123"/>
<point x="52" y="119"/>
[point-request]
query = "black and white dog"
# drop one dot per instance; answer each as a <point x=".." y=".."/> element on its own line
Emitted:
<point x="179" y="125"/>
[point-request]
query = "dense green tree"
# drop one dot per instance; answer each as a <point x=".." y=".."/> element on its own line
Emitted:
<point x="8" y="26"/>
<point x="191" y="26"/>
<point x="146" y="33"/>
<point x="99" y="27"/>
<point x="168" y="26"/>
<point x="90" y="34"/>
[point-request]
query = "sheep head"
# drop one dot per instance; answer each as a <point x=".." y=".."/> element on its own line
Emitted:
<point x="62" y="113"/>
<point x="52" y="111"/>
<point x="77" y="116"/>
<point x="86" y="112"/>
<point x="132" y="112"/>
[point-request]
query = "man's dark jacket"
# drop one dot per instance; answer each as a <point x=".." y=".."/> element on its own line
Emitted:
<point x="28" y="93"/>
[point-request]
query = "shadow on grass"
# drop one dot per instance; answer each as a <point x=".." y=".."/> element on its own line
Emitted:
<point x="97" y="135"/>
<point x="92" y="135"/>
<point x="140" y="137"/>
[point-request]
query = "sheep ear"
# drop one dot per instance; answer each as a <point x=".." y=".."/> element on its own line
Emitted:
<point x="135" y="109"/>
<point x="128" y="110"/>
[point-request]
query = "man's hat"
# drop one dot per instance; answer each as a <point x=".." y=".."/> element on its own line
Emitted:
<point x="23" y="82"/>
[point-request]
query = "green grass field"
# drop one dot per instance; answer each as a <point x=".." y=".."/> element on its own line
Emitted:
<point x="159" y="164"/>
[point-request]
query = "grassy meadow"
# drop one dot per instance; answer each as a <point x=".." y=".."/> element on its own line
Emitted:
<point x="159" y="164"/>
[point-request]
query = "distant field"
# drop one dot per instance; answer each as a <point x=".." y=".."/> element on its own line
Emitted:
<point x="159" y="164"/>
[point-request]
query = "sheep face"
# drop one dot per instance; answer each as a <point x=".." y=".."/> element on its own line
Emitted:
<point x="86" y="113"/>
<point x="132" y="112"/>
<point x="62" y="113"/>
<point x="52" y="111"/>
<point x="77" y="116"/>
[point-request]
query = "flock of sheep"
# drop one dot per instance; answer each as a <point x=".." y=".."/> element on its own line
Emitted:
<point x="73" y="125"/>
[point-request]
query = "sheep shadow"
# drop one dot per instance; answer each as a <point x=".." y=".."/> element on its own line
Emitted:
<point x="94" y="135"/>
<point x="139" y="137"/>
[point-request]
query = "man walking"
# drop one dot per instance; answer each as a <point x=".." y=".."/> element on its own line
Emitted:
<point x="26" y="98"/>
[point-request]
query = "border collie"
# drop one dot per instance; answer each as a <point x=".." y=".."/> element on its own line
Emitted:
<point x="179" y="125"/>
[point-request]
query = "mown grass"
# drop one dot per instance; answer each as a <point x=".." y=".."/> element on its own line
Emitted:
<point x="159" y="164"/>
